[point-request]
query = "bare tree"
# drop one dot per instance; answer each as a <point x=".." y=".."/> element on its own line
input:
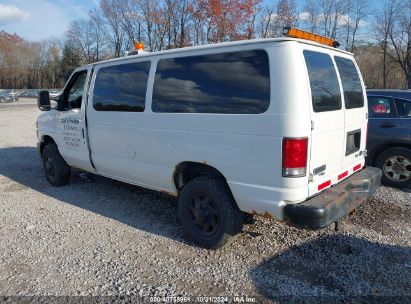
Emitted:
<point x="113" y="29"/>
<point x="98" y="35"/>
<point x="80" y="35"/>
<point x="311" y="15"/>
<point x="331" y="14"/>
<point x="400" y="38"/>
<point x="274" y="18"/>
<point x="131" y="20"/>
<point x="357" y="11"/>
<point x="383" y="25"/>
<point x="267" y="17"/>
<point x="286" y="13"/>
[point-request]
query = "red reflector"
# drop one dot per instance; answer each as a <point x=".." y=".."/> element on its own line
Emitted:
<point x="295" y="152"/>
<point x="356" y="167"/>
<point x="324" y="185"/>
<point x="342" y="175"/>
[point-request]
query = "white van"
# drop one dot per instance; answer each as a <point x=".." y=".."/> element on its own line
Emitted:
<point x="274" y="127"/>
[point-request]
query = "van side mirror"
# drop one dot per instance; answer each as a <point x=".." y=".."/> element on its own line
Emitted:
<point x="43" y="101"/>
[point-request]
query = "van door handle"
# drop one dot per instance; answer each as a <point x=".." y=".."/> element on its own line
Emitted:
<point x="387" y="125"/>
<point x="82" y="131"/>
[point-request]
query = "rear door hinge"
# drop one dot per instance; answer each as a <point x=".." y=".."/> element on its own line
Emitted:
<point x="312" y="125"/>
<point x="310" y="177"/>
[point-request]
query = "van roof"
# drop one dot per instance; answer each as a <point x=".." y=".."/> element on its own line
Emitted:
<point x="220" y="45"/>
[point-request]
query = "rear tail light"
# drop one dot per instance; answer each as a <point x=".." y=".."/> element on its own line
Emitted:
<point x="295" y="157"/>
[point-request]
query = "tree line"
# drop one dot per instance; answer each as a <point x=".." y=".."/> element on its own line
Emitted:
<point x="379" y="36"/>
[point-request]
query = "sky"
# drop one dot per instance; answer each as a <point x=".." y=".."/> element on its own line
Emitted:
<point x="43" y="19"/>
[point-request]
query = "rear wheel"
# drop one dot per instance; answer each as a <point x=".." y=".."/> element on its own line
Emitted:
<point x="396" y="166"/>
<point x="208" y="212"/>
<point x="58" y="172"/>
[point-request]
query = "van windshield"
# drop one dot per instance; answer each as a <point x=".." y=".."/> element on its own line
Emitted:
<point x="353" y="94"/>
<point x="325" y="90"/>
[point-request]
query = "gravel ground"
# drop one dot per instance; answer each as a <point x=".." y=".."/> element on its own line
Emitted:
<point x="104" y="237"/>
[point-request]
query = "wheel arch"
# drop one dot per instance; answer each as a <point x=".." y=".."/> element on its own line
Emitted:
<point x="187" y="170"/>
<point x="381" y="149"/>
<point x="45" y="140"/>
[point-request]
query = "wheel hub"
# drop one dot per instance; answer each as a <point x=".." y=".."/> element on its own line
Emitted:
<point x="397" y="168"/>
<point x="204" y="215"/>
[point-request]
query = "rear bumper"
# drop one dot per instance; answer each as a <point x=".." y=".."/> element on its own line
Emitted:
<point x="335" y="202"/>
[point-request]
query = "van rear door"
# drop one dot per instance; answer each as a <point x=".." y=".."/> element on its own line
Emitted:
<point x="355" y="115"/>
<point x="327" y="121"/>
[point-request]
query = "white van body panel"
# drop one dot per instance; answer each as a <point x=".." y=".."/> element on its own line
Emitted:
<point x="144" y="148"/>
<point x="329" y="135"/>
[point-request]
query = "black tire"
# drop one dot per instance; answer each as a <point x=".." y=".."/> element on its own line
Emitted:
<point x="394" y="161"/>
<point x="57" y="171"/>
<point x="249" y="218"/>
<point x="206" y="200"/>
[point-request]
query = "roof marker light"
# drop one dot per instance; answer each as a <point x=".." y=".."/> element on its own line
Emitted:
<point x="138" y="49"/>
<point x="297" y="33"/>
<point x="139" y="46"/>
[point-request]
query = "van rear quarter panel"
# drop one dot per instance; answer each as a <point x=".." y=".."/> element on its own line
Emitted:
<point x="245" y="148"/>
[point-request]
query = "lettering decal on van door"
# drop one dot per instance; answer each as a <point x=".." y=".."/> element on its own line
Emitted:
<point x="72" y="132"/>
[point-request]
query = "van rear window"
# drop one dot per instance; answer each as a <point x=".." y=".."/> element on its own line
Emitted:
<point x="353" y="94"/>
<point x="229" y="83"/>
<point x="325" y="90"/>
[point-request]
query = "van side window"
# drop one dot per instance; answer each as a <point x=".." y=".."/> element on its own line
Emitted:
<point x="325" y="90"/>
<point x="404" y="107"/>
<point x="353" y="94"/>
<point x="73" y="93"/>
<point x="230" y="83"/>
<point x="381" y="107"/>
<point x="121" y="87"/>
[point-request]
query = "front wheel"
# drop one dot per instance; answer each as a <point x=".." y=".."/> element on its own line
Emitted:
<point x="395" y="164"/>
<point x="57" y="171"/>
<point x="208" y="212"/>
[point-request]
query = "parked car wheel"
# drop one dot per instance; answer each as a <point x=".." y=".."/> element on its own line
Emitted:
<point x="208" y="212"/>
<point x="396" y="166"/>
<point x="58" y="172"/>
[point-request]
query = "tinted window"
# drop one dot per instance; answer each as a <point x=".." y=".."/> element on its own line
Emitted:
<point x="121" y="87"/>
<point x="325" y="90"/>
<point x="404" y="107"/>
<point x="403" y="94"/>
<point x="236" y="83"/>
<point x="353" y="95"/>
<point x="74" y="94"/>
<point x="381" y="107"/>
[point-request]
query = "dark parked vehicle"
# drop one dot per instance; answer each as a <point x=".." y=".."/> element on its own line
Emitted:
<point x="389" y="135"/>
<point x="6" y="96"/>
